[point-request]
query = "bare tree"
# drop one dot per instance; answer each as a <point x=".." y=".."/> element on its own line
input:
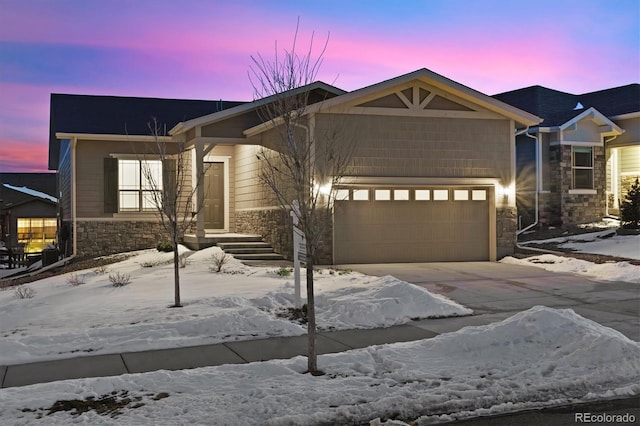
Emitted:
<point x="302" y="164"/>
<point x="171" y="190"/>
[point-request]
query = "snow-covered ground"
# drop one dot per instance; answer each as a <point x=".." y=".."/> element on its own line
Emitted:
<point x="239" y="303"/>
<point x="602" y="242"/>
<point x="536" y="358"/>
<point x="611" y="271"/>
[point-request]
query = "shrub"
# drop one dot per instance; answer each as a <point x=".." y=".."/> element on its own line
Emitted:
<point x="219" y="259"/>
<point x="24" y="292"/>
<point x="74" y="280"/>
<point x="119" y="280"/>
<point x="165" y="246"/>
<point x="284" y="272"/>
<point x="630" y="208"/>
<point x="101" y="270"/>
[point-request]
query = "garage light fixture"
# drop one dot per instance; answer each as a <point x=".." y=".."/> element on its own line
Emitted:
<point x="322" y="189"/>
<point x="507" y="192"/>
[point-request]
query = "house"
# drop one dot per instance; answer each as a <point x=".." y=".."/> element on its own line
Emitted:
<point x="431" y="178"/>
<point x="577" y="165"/>
<point x="28" y="210"/>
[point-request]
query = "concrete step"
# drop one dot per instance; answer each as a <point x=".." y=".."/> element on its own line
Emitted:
<point x="251" y="250"/>
<point x="258" y="256"/>
<point x="243" y="245"/>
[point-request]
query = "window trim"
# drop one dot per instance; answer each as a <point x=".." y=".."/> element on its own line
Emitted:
<point x="574" y="189"/>
<point x="141" y="188"/>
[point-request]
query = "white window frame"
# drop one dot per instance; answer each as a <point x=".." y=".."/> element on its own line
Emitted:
<point x="143" y="186"/>
<point x="574" y="168"/>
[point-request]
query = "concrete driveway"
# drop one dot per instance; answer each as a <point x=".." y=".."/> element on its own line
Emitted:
<point x="497" y="290"/>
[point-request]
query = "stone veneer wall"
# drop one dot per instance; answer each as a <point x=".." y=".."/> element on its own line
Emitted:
<point x="580" y="208"/>
<point x="506" y="226"/>
<point x="96" y="238"/>
<point x="273" y="225"/>
<point x="560" y="208"/>
<point x="276" y="228"/>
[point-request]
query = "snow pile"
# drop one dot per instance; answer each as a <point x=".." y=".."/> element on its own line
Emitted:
<point x="613" y="271"/>
<point x="242" y="302"/>
<point x="382" y="302"/>
<point x="536" y="358"/>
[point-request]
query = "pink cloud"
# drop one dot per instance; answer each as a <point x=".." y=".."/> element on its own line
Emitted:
<point x="17" y="155"/>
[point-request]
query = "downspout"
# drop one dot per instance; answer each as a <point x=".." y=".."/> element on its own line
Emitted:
<point x="538" y="173"/>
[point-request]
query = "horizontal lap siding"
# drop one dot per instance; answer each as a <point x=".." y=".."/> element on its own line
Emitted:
<point x="90" y="172"/>
<point x="433" y="147"/>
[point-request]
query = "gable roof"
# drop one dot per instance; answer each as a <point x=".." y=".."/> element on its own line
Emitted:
<point x="607" y="127"/>
<point x="557" y="108"/>
<point x="31" y="192"/>
<point x="318" y="91"/>
<point x="119" y="115"/>
<point x="442" y="83"/>
<point x="21" y="188"/>
<point x="42" y="182"/>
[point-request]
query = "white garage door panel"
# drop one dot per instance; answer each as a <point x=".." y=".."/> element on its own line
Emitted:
<point x="411" y="231"/>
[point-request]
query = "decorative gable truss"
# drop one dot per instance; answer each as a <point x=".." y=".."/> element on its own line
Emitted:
<point x="418" y="100"/>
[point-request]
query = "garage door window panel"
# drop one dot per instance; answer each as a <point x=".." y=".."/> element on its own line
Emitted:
<point x="382" y="195"/>
<point x="422" y="195"/>
<point x="460" y="195"/>
<point x="440" y="194"/>
<point x="401" y="195"/>
<point x="479" y="195"/>
<point x="360" y="195"/>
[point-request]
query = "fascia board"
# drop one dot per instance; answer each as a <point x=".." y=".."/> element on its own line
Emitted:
<point x="228" y="113"/>
<point x="441" y="83"/>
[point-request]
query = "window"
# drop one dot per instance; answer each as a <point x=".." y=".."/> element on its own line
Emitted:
<point x="422" y="195"/>
<point x="36" y="233"/>
<point x="382" y="195"/>
<point x="440" y="194"/>
<point x="582" y="167"/>
<point x="401" y="194"/>
<point x="360" y="194"/>
<point x="460" y="194"/>
<point x="342" y="194"/>
<point x="139" y="184"/>
<point x="479" y="195"/>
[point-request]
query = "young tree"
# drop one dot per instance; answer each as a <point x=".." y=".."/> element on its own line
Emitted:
<point x="630" y="207"/>
<point x="302" y="163"/>
<point x="171" y="191"/>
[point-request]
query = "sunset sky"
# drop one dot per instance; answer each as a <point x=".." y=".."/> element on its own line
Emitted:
<point x="201" y="49"/>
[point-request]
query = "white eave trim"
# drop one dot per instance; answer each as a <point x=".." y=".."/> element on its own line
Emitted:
<point x="626" y="116"/>
<point x="184" y="126"/>
<point x="596" y="116"/>
<point x="102" y="137"/>
<point x="440" y="82"/>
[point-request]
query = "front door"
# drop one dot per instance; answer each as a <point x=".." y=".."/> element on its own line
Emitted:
<point x="214" y="198"/>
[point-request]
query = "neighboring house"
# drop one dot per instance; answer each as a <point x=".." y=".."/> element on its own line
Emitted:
<point x="578" y="164"/>
<point x="431" y="177"/>
<point x="28" y="210"/>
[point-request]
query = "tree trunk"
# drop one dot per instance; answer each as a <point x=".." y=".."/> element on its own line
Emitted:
<point x="176" y="273"/>
<point x="312" y="359"/>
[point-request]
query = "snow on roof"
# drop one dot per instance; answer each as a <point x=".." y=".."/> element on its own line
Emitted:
<point x="31" y="192"/>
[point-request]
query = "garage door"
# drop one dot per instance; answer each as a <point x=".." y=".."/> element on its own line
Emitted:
<point x="383" y="225"/>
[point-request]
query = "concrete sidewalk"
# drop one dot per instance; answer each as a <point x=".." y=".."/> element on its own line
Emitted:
<point x="229" y="352"/>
